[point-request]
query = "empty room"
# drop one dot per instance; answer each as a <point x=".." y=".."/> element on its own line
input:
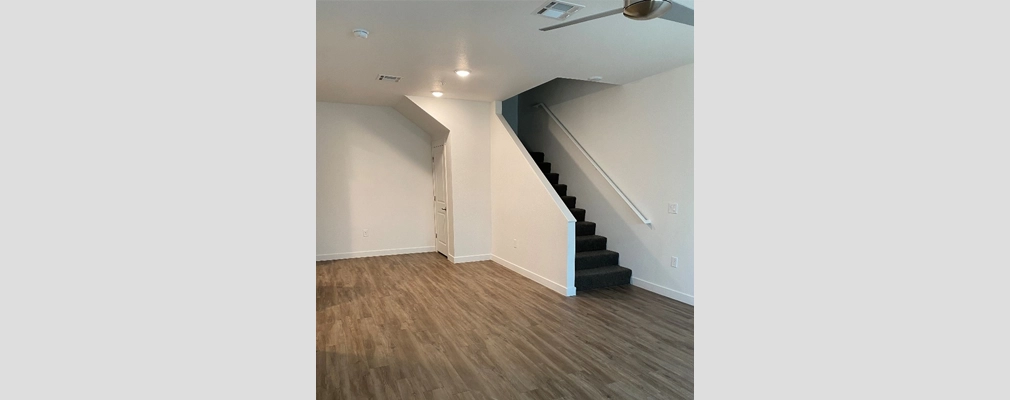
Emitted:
<point x="504" y="200"/>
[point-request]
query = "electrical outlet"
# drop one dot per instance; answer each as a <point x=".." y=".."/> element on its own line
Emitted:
<point x="673" y="262"/>
<point x="672" y="208"/>
<point x="365" y="233"/>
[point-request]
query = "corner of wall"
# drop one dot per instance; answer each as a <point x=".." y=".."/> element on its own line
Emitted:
<point x="468" y="169"/>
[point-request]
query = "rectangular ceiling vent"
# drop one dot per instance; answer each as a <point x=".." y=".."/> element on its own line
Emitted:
<point x="558" y="9"/>
<point x="389" y="78"/>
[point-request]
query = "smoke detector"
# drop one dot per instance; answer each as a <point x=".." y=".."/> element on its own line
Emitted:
<point x="361" y="33"/>
<point x="558" y="9"/>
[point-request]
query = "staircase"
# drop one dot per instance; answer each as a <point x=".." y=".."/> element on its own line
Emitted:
<point x="595" y="266"/>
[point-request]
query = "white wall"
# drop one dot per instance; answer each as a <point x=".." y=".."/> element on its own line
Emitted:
<point x="469" y="173"/>
<point x="439" y="135"/>
<point x="642" y="134"/>
<point x="373" y="171"/>
<point x="438" y="132"/>
<point x="533" y="233"/>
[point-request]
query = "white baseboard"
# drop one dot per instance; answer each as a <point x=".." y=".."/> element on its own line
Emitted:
<point x="531" y="275"/>
<point x="465" y="259"/>
<point x="663" y="290"/>
<point x="373" y="253"/>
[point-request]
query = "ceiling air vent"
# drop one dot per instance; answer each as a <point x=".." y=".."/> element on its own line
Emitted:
<point x="558" y="9"/>
<point x="388" y="78"/>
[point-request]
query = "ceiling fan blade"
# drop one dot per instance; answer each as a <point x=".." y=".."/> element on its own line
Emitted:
<point x="679" y="13"/>
<point x="583" y="19"/>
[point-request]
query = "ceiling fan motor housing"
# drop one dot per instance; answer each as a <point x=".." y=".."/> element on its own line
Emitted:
<point x="646" y="9"/>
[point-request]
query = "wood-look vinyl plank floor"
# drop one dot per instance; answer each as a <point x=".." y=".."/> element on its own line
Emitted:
<point x="417" y="326"/>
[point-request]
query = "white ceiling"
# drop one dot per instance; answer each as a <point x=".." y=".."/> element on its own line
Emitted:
<point x="500" y="41"/>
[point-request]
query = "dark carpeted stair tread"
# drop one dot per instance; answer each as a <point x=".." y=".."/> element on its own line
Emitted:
<point x="545" y="167"/>
<point x="583" y="228"/>
<point x="552" y="178"/>
<point x="562" y="189"/>
<point x="569" y="201"/>
<point x="590" y="243"/>
<point x="595" y="258"/>
<point x="538" y="157"/>
<point x="611" y="275"/>
<point x="578" y="213"/>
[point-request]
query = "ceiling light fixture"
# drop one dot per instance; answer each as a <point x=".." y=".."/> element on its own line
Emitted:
<point x="596" y="78"/>
<point x="361" y="33"/>
<point x="436" y="93"/>
<point x="462" y="72"/>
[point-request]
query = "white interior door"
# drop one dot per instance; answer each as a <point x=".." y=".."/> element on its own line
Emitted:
<point x="438" y="177"/>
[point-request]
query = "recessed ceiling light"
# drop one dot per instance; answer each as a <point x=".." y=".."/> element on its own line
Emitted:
<point x="462" y="72"/>
<point x="436" y="94"/>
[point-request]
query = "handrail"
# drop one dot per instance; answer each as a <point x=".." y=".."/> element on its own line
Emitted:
<point x="596" y="165"/>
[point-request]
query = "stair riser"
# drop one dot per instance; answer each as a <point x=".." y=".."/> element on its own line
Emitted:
<point x="538" y="157"/>
<point x="580" y="215"/>
<point x="552" y="178"/>
<point x="602" y="281"/>
<point x="545" y="167"/>
<point x="569" y="201"/>
<point x="561" y="189"/>
<point x="596" y="261"/>
<point x="585" y="229"/>
<point x="590" y="244"/>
